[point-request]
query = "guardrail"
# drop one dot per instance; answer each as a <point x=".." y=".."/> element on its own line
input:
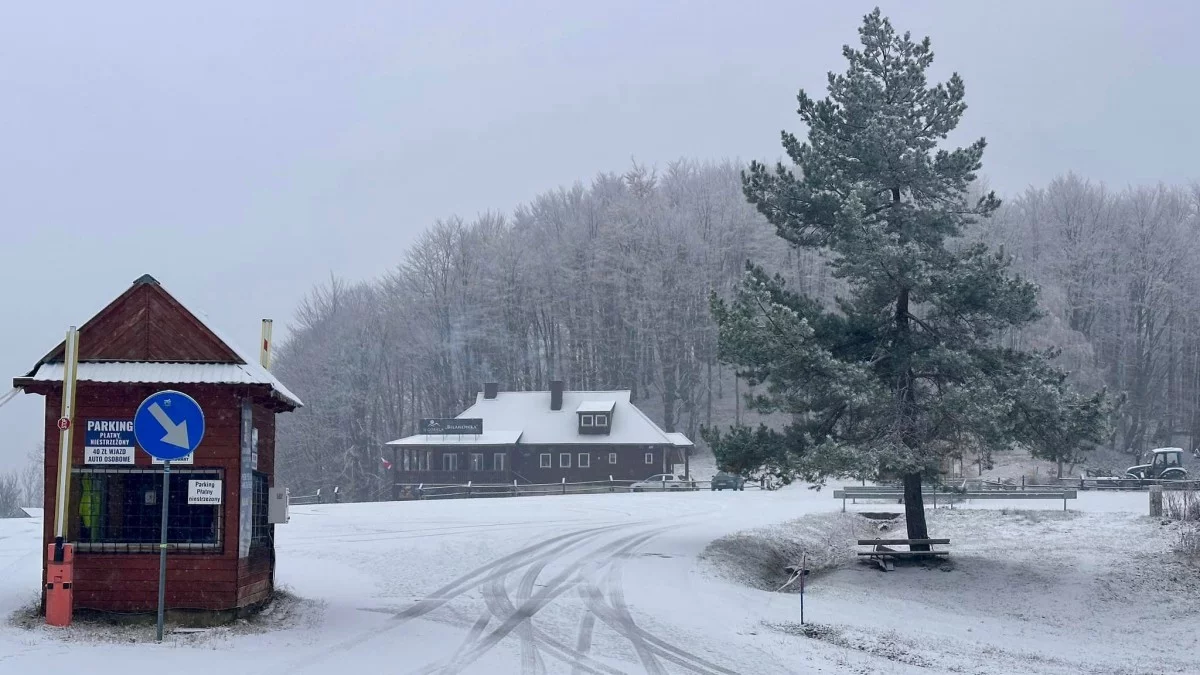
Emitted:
<point x="1128" y="484"/>
<point x="316" y="498"/>
<point x="1085" y="483"/>
<point x="515" y="489"/>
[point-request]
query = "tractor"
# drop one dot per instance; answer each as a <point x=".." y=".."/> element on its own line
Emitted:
<point x="1165" y="463"/>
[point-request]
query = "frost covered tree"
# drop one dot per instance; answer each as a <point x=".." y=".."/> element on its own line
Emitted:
<point x="1120" y="297"/>
<point x="905" y="369"/>
<point x="32" y="478"/>
<point x="1061" y="425"/>
<point x="604" y="286"/>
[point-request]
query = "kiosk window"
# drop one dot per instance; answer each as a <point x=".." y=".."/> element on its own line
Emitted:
<point x="261" y="534"/>
<point x="120" y="511"/>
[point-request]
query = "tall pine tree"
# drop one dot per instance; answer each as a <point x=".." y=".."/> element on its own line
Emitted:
<point x="905" y="371"/>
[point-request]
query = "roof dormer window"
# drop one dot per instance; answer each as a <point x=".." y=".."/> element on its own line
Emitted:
<point x="595" y="417"/>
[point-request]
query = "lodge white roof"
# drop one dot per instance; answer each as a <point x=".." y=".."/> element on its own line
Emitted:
<point x="539" y="425"/>
<point x="679" y="440"/>
<point x="486" y="438"/>
<point x="526" y="417"/>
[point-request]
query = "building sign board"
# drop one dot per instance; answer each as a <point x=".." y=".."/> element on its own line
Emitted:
<point x="443" y="426"/>
<point x="204" y="492"/>
<point x="108" y="442"/>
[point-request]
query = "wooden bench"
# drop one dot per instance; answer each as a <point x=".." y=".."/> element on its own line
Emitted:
<point x="882" y="553"/>
<point x="856" y="493"/>
<point x="890" y="494"/>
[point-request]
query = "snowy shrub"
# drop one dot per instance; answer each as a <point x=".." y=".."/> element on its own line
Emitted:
<point x="757" y="558"/>
<point x="1182" y="505"/>
<point x="1189" y="541"/>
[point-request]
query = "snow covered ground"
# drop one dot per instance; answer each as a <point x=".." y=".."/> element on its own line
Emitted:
<point x="614" y="584"/>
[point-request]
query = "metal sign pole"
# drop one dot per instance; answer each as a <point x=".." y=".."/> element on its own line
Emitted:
<point x="162" y="548"/>
<point x="803" y="572"/>
<point x="169" y="426"/>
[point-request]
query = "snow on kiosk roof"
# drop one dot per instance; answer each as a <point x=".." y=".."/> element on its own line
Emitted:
<point x="225" y="364"/>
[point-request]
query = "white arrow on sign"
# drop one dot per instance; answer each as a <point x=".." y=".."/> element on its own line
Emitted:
<point x="177" y="434"/>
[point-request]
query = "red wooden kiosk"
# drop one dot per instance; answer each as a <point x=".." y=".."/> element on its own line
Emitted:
<point x="221" y="556"/>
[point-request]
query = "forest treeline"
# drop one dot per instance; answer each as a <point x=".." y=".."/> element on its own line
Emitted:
<point x="606" y="285"/>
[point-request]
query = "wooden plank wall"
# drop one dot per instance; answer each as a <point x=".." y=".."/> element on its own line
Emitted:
<point x="128" y="582"/>
<point x="631" y="463"/>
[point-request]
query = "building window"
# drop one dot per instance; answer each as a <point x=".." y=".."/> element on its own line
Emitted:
<point x="120" y="511"/>
<point x="450" y="462"/>
<point x="498" y="461"/>
<point x="564" y="460"/>
<point x="649" y="457"/>
<point x="261" y="531"/>
<point x="585" y="460"/>
<point x="544" y="461"/>
<point x="601" y="420"/>
<point x="477" y="461"/>
<point x="586" y="420"/>
<point x="612" y="458"/>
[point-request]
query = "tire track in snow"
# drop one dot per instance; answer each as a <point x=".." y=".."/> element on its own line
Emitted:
<point x="557" y="586"/>
<point x="473" y="634"/>
<point x="490" y="571"/>
<point x="531" y="661"/>
<point x="455" y="588"/>
<point x="615" y="614"/>
<point x="583" y="642"/>
<point x="617" y="596"/>
<point x="500" y="605"/>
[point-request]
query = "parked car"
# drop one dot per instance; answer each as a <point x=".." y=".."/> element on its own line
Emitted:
<point x="728" y="481"/>
<point x="663" y="481"/>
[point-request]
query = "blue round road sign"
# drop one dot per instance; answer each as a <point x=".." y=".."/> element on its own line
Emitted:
<point x="168" y="425"/>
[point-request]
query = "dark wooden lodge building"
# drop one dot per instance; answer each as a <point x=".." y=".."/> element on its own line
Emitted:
<point x="220" y="556"/>
<point x="542" y="437"/>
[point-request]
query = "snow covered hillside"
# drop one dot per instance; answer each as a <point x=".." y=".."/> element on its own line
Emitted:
<point x="613" y="584"/>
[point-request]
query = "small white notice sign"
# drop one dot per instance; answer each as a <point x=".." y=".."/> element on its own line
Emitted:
<point x="108" y="455"/>
<point x="204" y="492"/>
<point x="186" y="459"/>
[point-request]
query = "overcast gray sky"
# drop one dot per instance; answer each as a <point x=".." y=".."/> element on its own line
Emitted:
<point x="241" y="152"/>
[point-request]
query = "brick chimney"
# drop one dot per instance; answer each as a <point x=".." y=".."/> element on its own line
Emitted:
<point x="556" y="394"/>
<point x="491" y="389"/>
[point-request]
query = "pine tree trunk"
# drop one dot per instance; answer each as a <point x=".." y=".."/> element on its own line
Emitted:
<point x="914" y="510"/>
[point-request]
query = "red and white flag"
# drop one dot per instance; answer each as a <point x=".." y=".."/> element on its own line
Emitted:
<point x="387" y="466"/>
